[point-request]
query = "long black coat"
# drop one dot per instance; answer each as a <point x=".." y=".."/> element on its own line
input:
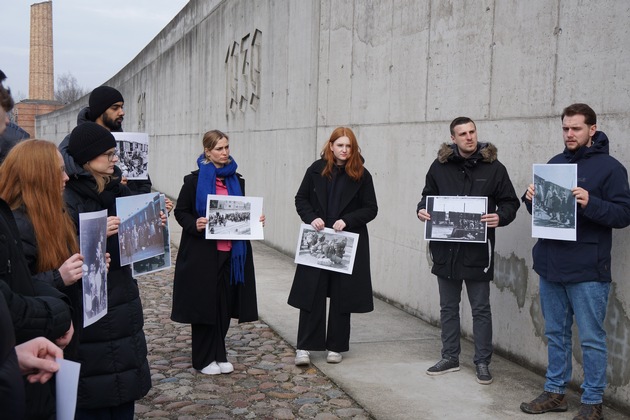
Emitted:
<point x="112" y="351"/>
<point x="357" y="207"/>
<point x="196" y="272"/>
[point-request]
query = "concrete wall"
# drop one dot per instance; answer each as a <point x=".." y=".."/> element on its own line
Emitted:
<point x="278" y="76"/>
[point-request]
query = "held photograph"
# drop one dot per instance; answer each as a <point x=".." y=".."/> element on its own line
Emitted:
<point x="158" y="262"/>
<point x="456" y="219"/>
<point x="140" y="234"/>
<point x="554" y="208"/>
<point x="133" y="154"/>
<point x="93" y="242"/>
<point x="326" y="249"/>
<point x="234" y="217"/>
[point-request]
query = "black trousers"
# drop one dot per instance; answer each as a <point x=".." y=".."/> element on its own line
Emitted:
<point x="312" y="332"/>
<point x="208" y="340"/>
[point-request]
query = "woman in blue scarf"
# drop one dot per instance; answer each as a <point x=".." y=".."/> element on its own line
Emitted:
<point x="214" y="279"/>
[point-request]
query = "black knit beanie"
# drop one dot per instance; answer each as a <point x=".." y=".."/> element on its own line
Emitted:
<point x="102" y="98"/>
<point x="89" y="140"/>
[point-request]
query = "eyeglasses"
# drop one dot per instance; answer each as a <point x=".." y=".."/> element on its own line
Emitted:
<point x="111" y="155"/>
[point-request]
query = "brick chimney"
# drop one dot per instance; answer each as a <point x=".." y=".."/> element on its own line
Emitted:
<point x="41" y="68"/>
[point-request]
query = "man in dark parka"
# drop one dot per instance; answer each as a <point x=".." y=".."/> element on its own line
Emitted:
<point x="467" y="168"/>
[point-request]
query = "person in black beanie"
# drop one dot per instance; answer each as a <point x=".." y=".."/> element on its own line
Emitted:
<point x="106" y="108"/>
<point x="113" y="350"/>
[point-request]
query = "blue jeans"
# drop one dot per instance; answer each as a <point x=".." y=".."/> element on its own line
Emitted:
<point x="587" y="301"/>
<point x="479" y="298"/>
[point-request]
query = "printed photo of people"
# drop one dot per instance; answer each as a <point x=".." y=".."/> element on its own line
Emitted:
<point x="456" y="219"/>
<point x="159" y="262"/>
<point x="93" y="241"/>
<point x="133" y="154"/>
<point x="554" y="207"/>
<point x="230" y="217"/>
<point x="326" y="249"/>
<point x="140" y="234"/>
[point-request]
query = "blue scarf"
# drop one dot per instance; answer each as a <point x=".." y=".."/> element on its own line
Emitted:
<point x="208" y="174"/>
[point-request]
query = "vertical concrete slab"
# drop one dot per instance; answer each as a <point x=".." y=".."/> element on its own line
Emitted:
<point x="523" y="58"/>
<point x="458" y="80"/>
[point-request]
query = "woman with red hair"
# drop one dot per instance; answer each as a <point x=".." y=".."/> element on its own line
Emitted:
<point x="337" y="192"/>
<point x="33" y="179"/>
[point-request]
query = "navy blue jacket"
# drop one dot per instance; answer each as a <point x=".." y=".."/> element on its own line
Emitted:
<point x="588" y="258"/>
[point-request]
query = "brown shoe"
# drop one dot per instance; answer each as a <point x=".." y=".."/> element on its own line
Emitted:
<point x="545" y="402"/>
<point x="590" y="412"/>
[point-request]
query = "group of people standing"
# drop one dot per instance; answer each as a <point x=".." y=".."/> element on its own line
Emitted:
<point x="40" y="184"/>
<point x="575" y="276"/>
<point x="214" y="280"/>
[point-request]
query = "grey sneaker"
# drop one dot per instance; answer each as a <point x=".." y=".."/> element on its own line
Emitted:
<point x="302" y="358"/>
<point x="483" y="374"/>
<point x="443" y="366"/>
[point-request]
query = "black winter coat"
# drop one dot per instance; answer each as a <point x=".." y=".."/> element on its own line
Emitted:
<point x="195" y="270"/>
<point x="112" y="351"/>
<point x="37" y="308"/>
<point x="353" y="293"/>
<point x="12" y="399"/>
<point x="480" y="175"/>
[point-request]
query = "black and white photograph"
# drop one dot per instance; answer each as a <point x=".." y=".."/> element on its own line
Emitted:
<point x="456" y="219"/>
<point x="93" y="242"/>
<point x="233" y="217"/>
<point x="140" y="234"/>
<point x="554" y="208"/>
<point x="326" y="249"/>
<point x="159" y="262"/>
<point x="133" y="154"/>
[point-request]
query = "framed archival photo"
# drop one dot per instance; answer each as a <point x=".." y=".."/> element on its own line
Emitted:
<point x="456" y="219"/>
<point x="326" y="249"/>
<point x="554" y="208"/>
<point x="233" y="217"/>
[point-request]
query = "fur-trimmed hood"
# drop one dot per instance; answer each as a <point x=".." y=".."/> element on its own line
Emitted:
<point x="487" y="152"/>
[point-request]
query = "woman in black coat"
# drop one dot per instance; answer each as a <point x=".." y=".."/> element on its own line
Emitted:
<point x="337" y="192"/>
<point x="112" y="351"/>
<point x="214" y="279"/>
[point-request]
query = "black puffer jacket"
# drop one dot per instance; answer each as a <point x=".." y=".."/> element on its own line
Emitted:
<point x="480" y="175"/>
<point x="112" y="351"/>
<point x="12" y="400"/>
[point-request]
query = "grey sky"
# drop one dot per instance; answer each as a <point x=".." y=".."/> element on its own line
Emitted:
<point x="92" y="39"/>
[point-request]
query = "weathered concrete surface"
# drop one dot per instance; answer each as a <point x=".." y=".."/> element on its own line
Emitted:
<point x="278" y="76"/>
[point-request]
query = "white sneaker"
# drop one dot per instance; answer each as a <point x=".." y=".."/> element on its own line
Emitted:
<point x="302" y="358"/>
<point x="333" y="357"/>
<point x="226" y="367"/>
<point x="211" y="369"/>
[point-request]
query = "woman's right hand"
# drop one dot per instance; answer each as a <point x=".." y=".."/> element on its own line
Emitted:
<point x="71" y="270"/>
<point x="201" y="224"/>
<point x="318" y="224"/>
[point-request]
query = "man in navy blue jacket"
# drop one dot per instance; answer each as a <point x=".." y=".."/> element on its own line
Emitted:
<point x="575" y="276"/>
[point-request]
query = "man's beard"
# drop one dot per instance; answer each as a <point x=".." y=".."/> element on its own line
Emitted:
<point x="112" y="124"/>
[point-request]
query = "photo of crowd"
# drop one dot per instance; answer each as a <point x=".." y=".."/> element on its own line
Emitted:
<point x="133" y="154"/>
<point x="231" y="218"/>
<point x="141" y="232"/>
<point x="93" y="240"/>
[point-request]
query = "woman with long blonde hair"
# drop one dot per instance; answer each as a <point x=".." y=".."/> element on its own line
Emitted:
<point x="32" y="179"/>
